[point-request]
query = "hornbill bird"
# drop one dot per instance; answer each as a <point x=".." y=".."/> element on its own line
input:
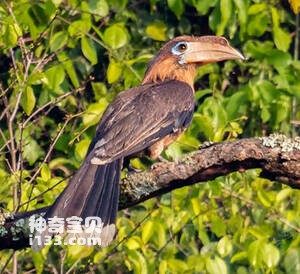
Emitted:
<point x="144" y="119"/>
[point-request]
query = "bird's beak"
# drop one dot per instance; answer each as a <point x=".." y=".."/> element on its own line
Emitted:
<point x="210" y="49"/>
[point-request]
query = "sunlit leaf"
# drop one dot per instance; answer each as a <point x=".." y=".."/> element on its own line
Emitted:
<point x="282" y="39"/>
<point x="177" y="7"/>
<point x="115" y="36"/>
<point x="147" y="231"/>
<point x="93" y="113"/>
<point x="292" y="261"/>
<point x="271" y="255"/>
<point x="89" y="50"/>
<point x="58" y="40"/>
<point x="157" y="31"/>
<point x="226" y="10"/>
<point x="114" y="71"/>
<point x="28" y="100"/>
<point x="224" y="246"/>
<point x="216" y="266"/>
<point x="255" y="255"/>
<point x="82" y="147"/>
<point x="46" y="173"/>
<point x="98" y="7"/>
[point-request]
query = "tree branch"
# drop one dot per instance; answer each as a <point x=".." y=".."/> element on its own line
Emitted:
<point x="277" y="156"/>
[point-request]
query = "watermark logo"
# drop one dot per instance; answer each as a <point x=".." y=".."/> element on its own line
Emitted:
<point x="65" y="231"/>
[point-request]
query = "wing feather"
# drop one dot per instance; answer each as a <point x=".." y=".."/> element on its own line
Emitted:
<point x="141" y="116"/>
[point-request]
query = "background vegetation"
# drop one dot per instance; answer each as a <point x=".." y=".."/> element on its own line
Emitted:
<point x="63" y="61"/>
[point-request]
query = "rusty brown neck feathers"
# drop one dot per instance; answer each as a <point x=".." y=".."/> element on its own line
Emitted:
<point x="170" y="69"/>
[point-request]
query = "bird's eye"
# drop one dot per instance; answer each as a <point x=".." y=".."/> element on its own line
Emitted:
<point x="180" y="48"/>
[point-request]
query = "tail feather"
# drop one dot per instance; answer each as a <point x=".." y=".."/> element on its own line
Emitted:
<point x="93" y="191"/>
<point x="114" y="198"/>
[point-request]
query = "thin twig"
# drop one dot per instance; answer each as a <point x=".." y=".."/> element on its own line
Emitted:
<point x="42" y="193"/>
<point x="52" y="102"/>
<point x="60" y="132"/>
<point x="125" y="238"/>
<point x="296" y="57"/>
<point x="7" y="262"/>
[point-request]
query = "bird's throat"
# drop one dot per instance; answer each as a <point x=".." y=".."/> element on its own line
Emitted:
<point x="168" y="70"/>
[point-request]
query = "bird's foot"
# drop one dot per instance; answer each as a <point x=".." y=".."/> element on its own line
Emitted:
<point x="131" y="168"/>
<point x="206" y="144"/>
<point x="162" y="159"/>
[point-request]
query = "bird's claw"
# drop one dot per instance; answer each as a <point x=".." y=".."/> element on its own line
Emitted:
<point x="162" y="159"/>
<point x="206" y="144"/>
<point x="130" y="168"/>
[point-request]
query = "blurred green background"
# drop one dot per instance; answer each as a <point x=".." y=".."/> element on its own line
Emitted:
<point x="63" y="61"/>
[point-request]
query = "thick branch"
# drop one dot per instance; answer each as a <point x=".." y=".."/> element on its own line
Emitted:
<point x="277" y="157"/>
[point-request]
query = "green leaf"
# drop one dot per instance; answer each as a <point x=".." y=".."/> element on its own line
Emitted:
<point x="58" y="40"/>
<point x="267" y="91"/>
<point x="138" y="261"/>
<point x="38" y="261"/>
<point x="36" y="78"/>
<point x="204" y="124"/>
<point x="174" y="151"/>
<point x="265" y="115"/>
<point x="177" y="266"/>
<point x="31" y="150"/>
<point x="215" y="19"/>
<point x="278" y="59"/>
<point x="79" y="28"/>
<point x="115" y="36"/>
<point x="242" y="14"/>
<point x="98" y="7"/>
<point x="203" y="7"/>
<point x="56" y="2"/>
<point x="89" y="50"/>
<point x="147" y="231"/>
<point x="99" y="90"/>
<point x="160" y="235"/>
<point x="157" y="31"/>
<point x="224" y="246"/>
<point x="81" y="148"/>
<point x="235" y="103"/>
<point x="257" y="25"/>
<point x="216" y="266"/>
<point x="283" y="194"/>
<point x="263" y="198"/>
<point x="28" y="100"/>
<point x="134" y="243"/>
<point x="275" y="17"/>
<point x="177" y="6"/>
<point x="218" y="226"/>
<point x="10" y="36"/>
<point x="282" y="39"/>
<point x="93" y="113"/>
<point x="292" y="261"/>
<point x="46" y="173"/>
<point x="240" y="256"/>
<point x="114" y="71"/>
<point x="196" y="206"/>
<point x="255" y="256"/>
<point x="79" y="251"/>
<point x="69" y="68"/>
<point x="55" y="76"/>
<point x="270" y="255"/>
<point x="163" y="267"/>
<point x="226" y="11"/>
<point x="257" y="8"/>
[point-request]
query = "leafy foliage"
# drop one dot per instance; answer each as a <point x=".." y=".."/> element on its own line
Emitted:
<point x="62" y="62"/>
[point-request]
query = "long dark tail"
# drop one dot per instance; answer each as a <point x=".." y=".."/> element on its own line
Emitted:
<point x="93" y="191"/>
